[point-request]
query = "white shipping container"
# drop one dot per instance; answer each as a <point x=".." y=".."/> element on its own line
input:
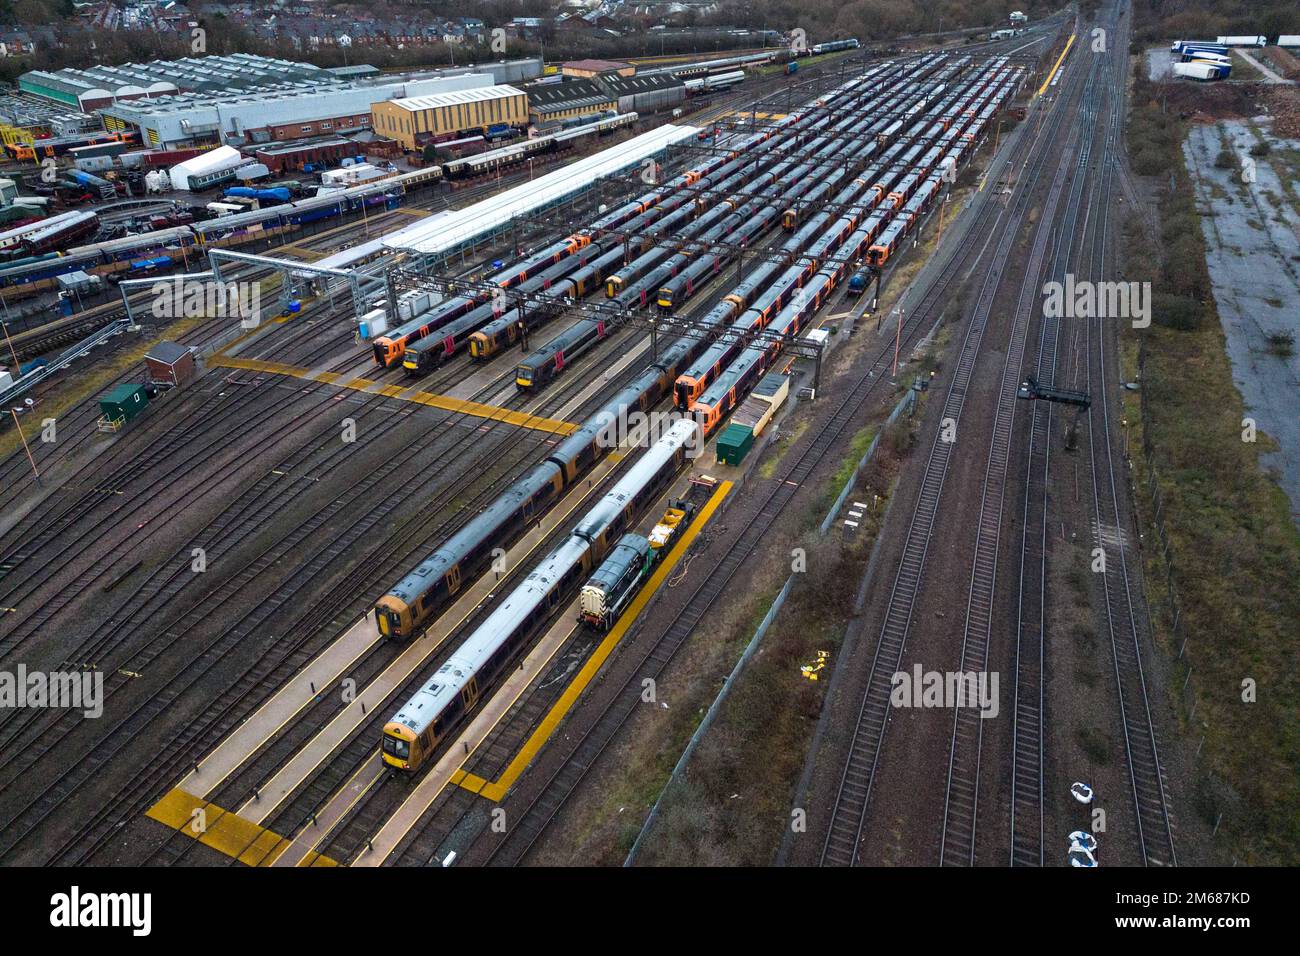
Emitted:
<point x="1198" y="71"/>
<point x="93" y="164"/>
<point x="374" y="322"/>
<point x="1286" y="39"/>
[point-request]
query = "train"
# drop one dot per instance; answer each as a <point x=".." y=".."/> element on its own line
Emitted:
<point x="714" y="82"/>
<point x="55" y="146"/>
<point x="417" y="598"/>
<point x="850" y="44"/>
<point x="621" y="575"/>
<point x="112" y="255"/>
<point x="515" y="154"/>
<point x="412" y="735"/>
<point x="50" y="235"/>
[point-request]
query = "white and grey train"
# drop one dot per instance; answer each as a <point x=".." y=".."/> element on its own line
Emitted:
<point x="412" y="735"/>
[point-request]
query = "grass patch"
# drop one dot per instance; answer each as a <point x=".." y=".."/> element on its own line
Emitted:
<point x="731" y="806"/>
<point x="790" y="433"/>
<point x="1281" y="344"/>
<point x="78" y="387"/>
<point x="1233" y="546"/>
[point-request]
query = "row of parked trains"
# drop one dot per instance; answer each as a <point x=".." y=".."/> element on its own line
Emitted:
<point x="775" y="54"/>
<point x="60" y="256"/>
<point x="638" y="271"/>
<point x="865" y="160"/>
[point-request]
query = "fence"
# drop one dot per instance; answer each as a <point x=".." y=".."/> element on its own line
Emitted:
<point x="1170" y="601"/>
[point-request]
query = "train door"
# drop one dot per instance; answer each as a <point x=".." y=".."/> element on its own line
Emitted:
<point x="469" y="693"/>
<point x="453" y="579"/>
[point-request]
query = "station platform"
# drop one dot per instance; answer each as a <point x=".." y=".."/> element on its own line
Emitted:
<point x="448" y="770"/>
<point x="242" y="835"/>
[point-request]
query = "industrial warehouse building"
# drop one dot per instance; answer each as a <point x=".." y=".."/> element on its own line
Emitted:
<point x="552" y="102"/>
<point x="643" y="94"/>
<point x="235" y="100"/>
<point x="266" y="116"/>
<point x="93" y="87"/>
<point x="25" y="119"/>
<point x="417" y="120"/>
<point x="586" y="69"/>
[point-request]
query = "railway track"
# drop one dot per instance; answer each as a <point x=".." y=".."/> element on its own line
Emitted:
<point x="1123" y="599"/>
<point x="400" y="551"/>
<point x="848" y="816"/>
<point x="961" y="805"/>
<point x="259" y="679"/>
<point x="541" y="808"/>
<point x="1029" y="709"/>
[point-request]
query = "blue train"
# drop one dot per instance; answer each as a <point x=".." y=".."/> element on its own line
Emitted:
<point x="118" y="255"/>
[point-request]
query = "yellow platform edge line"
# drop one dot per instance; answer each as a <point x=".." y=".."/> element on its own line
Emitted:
<point x="498" y="788"/>
<point x="1059" y="60"/>
<point x="224" y="831"/>
<point x="444" y="402"/>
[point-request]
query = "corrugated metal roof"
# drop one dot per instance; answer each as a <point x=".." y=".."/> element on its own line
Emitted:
<point x="436" y="100"/>
<point x="464" y="225"/>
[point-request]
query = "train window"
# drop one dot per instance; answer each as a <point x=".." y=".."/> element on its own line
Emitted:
<point x="397" y="747"/>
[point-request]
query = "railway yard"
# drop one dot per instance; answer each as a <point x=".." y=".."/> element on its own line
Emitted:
<point x="446" y="554"/>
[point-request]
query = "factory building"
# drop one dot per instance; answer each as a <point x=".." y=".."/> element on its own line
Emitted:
<point x="93" y="87"/>
<point x="266" y="116"/>
<point x="417" y="120"/>
<point x="643" y="94"/>
<point x="587" y="69"/>
<point x="25" y="119"/>
<point x="555" y="102"/>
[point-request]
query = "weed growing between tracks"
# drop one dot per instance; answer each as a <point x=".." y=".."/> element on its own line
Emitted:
<point x="731" y="805"/>
<point x="1233" y="550"/>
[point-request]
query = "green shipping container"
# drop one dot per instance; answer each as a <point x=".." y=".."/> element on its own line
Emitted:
<point x="124" y="402"/>
<point x="734" y="444"/>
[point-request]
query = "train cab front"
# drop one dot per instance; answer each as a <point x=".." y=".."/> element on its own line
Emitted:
<point x="419" y="361"/>
<point x="398" y="748"/>
<point x="524" y="376"/>
<point x="386" y="352"/>
<point x="392" y="617"/>
<point x="685" y="391"/>
<point x="480" y="346"/>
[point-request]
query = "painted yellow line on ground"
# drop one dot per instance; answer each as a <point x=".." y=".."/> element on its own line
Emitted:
<point x="224" y="831"/>
<point x="1059" y="60"/>
<point x="498" y="788"/>
<point x="445" y="402"/>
